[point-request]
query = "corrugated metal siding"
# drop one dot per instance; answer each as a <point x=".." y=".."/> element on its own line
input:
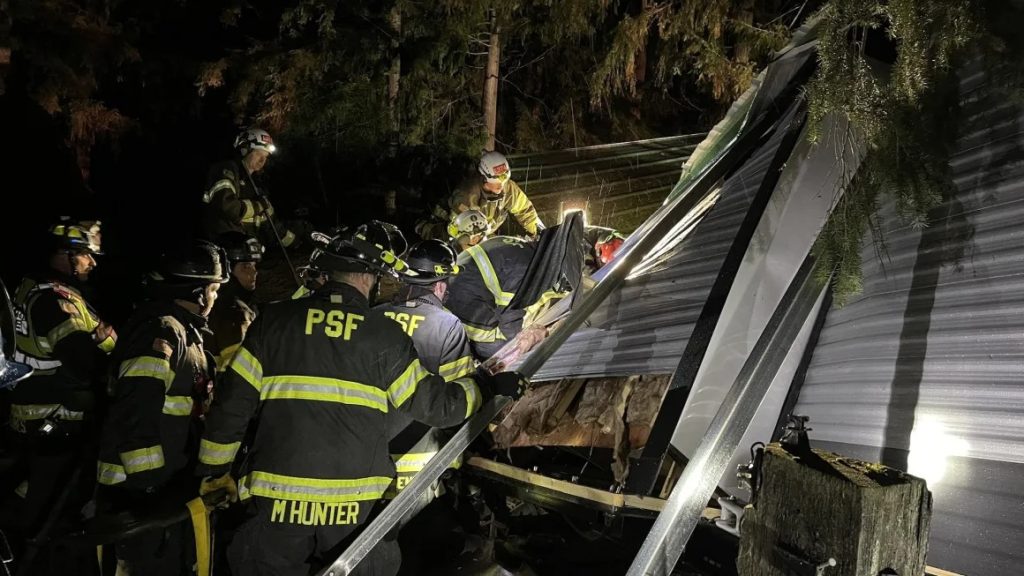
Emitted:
<point x="936" y="342"/>
<point x="643" y="326"/>
<point x="621" y="184"/>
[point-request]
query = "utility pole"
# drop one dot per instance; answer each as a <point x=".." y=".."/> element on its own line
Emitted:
<point x="394" y="115"/>
<point x="491" y="82"/>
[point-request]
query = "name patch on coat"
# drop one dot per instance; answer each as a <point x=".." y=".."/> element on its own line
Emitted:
<point x="315" y="513"/>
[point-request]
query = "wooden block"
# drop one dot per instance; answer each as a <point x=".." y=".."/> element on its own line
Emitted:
<point x="872" y="519"/>
<point x="556" y="413"/>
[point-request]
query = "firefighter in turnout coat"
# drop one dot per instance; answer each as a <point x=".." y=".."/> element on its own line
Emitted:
<point x="491" y="272"/>
<point x="233" y="313"/>
<point x="161" y="369"/>
<point x="322" y="376"/>
<point x="52" y="416"/>
<point x="505" y="283"/>
<point x="441" y="343"/>
<point x="232" y="202"/>
<point x="493" y="193"/>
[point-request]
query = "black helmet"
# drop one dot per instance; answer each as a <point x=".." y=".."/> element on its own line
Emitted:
<point x="240" y="247"/>
<point x="200" y="264"/>
<point x="430" y="261"/>
<point x="76" y="237"/>
<point x="374" y="246"/>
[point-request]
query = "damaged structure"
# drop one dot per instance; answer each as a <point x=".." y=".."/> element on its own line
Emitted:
<point x="715" y="325"/>
<point x="922" y="371"/>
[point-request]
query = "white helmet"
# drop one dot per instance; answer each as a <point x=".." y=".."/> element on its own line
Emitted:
<point x="468" y="223"/>
<point x="254" y="139"/>
<point x="494" y="166"/>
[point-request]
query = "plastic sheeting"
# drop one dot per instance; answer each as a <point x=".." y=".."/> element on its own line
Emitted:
<point x="925" y="369"/>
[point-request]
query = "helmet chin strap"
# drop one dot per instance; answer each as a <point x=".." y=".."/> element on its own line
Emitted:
<point x="200" y="297"/>
<point x="374" y="290"/>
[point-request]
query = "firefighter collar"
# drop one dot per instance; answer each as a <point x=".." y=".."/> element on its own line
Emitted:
<point x="349" y="294"/>
<point x="232" y="290"/>
<point x="195" y="325"/>
<point x="428" y="299"/>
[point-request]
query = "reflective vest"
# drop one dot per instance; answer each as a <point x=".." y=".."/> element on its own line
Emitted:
<point x="61" y="337"/>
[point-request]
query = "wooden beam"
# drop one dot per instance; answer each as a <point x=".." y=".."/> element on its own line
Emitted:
<point x="602" y="497"/>
<point x="932" y="571"/>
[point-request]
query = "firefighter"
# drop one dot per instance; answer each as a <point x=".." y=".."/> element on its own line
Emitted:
<point x="312" y="277"/>
<point x="322" y="375"/>
<point x="232" y="201"/>
<point x="480" y="296"/>
<point x="233" y="312"/>
<point x="491" y="191"/>
<point x="505" y="282"/>
<point x="53" y="412"/>
<point x="440" y="342"/>
<point x="161" y="370"/>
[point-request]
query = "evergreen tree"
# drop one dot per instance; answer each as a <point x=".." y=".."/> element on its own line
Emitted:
<point x="906" y="115"/>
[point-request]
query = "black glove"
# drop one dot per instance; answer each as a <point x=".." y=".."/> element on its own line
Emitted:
<point x="511" y="384"/>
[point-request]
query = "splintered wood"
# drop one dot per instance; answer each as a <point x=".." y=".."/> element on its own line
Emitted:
<point x="614" y="413"/>
<point x="873" y="520"/>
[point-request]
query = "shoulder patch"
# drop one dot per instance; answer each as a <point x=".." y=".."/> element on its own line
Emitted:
<point x="162" y="347"/>
<point x="62" y="291"/>
<point x="68" y="307"/>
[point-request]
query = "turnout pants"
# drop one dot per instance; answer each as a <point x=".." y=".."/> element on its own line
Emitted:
<point x="295" y="538"/>
<point x="166" y="551"/>
<point x="157" y="553"/>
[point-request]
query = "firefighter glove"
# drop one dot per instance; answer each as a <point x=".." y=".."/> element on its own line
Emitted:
<point x="225" y="482"/>
<point x="511" y="384"/>
<point x="266" y="209"/>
